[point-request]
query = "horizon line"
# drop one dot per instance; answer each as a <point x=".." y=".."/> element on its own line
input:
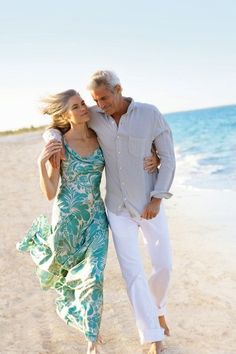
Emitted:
<point x="35" y="127"/>
<point x="202" y="108"/>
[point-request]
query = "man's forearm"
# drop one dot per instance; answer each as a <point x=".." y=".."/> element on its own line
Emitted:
<point x="164" y="145"/>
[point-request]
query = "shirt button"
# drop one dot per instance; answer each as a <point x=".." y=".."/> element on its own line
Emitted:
<point x="118" y="152"/>
<point x="125" y="198"/>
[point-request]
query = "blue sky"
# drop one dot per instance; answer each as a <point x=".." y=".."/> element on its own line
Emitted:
<point x="178" y="55"/>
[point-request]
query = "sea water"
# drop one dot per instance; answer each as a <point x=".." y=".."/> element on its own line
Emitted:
<point x="205" y="143"/>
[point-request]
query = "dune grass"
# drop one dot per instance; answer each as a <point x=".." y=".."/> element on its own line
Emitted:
<point x="22" y="130"/>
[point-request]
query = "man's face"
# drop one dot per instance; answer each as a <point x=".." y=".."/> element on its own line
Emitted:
<point x="107" y="100"/>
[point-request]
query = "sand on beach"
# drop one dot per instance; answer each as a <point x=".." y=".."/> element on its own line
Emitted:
<point x="202" y="295"/>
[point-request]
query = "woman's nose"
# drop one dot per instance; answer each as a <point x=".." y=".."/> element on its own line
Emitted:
<point x="84" y="109"/>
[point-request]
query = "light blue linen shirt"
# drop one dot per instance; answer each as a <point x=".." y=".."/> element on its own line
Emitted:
<point x="124" y="146"/>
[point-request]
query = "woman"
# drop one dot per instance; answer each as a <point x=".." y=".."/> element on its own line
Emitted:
<point x="71" y="253"/>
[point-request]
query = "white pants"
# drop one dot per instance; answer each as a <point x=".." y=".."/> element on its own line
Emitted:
<point x="148" y="298"/>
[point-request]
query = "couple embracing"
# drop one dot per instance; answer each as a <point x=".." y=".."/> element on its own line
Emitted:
<point x="70" y="253"/>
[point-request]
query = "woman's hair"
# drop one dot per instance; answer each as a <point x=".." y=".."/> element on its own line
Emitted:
<point x="103" y="77"/>
<point x="56" y="106"/>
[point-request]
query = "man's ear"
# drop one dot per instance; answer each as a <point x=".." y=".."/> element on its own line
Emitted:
<point x="118" y="89"/>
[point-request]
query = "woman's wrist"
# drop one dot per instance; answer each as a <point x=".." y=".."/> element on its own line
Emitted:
<point x="41" y="163"/>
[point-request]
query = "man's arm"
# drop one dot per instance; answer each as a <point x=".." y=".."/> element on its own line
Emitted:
<point x="165" y="147"/>
<point x="50" y="135"/>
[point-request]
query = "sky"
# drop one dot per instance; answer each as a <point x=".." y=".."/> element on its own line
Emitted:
<point x="178" y="55"/>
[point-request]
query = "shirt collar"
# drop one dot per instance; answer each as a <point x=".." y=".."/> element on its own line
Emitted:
<point x="131" y="105"/>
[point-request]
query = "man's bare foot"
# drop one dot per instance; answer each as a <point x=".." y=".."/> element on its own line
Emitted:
<point x="92" y="348"/>
<point x="156" y="348"/>
<point x="163" y="324"/>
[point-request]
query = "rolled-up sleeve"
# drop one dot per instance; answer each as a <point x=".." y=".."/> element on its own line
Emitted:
<point x="51" y="134"/>
<point x="165" y="149"/>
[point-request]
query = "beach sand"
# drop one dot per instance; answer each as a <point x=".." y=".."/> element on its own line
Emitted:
<point x="202" y="295"/>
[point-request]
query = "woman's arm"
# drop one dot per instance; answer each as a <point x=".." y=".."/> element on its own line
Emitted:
<point x="151" y="163"/>
<point x="49" y="177"/>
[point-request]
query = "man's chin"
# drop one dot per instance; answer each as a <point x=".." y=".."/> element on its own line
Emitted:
<point x="109" y="112"/>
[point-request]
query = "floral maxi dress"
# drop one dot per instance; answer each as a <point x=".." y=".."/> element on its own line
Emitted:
<point x="71" y="253"/>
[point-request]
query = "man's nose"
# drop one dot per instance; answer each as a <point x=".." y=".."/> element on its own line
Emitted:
<point x="101" y="104"/>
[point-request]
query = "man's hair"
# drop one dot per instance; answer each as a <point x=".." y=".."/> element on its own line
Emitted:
<point x="103" y="77"/>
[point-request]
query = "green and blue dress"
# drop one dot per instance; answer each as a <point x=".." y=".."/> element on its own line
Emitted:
<point x="70" y="254"/>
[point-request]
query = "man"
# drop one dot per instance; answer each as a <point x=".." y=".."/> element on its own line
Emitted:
<point x="126" y="131"/>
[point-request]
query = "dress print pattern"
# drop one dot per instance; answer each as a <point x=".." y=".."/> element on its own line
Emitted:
<point x="70" y="254"/>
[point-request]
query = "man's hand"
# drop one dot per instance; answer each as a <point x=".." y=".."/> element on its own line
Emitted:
<point x="57" y="157"/>
<point x="151" y="209"/>
<point x="52" y="148"/>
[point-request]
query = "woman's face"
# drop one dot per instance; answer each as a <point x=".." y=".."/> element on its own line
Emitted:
<point x="77" y="110"/>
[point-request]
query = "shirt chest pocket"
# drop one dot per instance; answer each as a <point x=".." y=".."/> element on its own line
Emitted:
<point x="137" y="146"/>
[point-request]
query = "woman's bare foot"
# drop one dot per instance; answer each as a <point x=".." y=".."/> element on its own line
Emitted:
<point x="163" y="324"/>
<point x="101" y="340"/>
<point x="156" y="348"/>
<point x="92" y="348"/>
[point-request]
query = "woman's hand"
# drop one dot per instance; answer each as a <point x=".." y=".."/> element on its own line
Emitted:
<point x="151" y="163"/>
<point x="51" y="148"/>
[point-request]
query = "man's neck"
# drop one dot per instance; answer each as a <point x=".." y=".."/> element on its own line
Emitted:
<point x="125" y="102"/>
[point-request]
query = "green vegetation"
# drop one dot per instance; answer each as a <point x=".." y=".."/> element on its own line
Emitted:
<point x="23" y="130"/>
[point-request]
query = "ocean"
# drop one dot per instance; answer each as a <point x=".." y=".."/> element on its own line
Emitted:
<point x="205" y="142"/>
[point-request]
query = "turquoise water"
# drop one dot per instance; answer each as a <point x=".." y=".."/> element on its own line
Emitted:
<point x="205" y="143"/>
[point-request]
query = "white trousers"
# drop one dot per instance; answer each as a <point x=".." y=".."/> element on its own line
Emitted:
<point x="148" y="297"/>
